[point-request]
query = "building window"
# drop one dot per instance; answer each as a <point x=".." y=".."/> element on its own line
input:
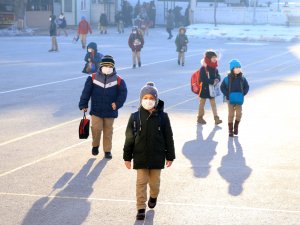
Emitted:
<point x="83" y="4"/>
<point x="68" y="6"/>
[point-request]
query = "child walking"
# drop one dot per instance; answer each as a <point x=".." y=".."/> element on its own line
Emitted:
<point x="234" y="87"/>
<point x="108" y="92"/>
<point x="149" y="142"/>
<point x="181" y="42"/>
<point x="92" y="59"/>
<point x="209" y="75"/>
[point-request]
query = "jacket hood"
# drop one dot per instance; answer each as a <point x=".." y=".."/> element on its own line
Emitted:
<point x="182" y="28"/>
<point x="160" y="106"/>
<point x="93" y="46"/>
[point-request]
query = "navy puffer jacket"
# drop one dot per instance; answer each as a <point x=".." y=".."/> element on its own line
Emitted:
<point x="103" y="91"/>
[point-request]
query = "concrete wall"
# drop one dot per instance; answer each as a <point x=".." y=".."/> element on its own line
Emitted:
<point x="239" y="15"/>
<point x="38" y="18"/>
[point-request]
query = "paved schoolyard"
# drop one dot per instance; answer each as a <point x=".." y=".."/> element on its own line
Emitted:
<point x="48" y="176"/>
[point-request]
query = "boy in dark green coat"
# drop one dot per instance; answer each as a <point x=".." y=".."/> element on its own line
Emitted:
<point x="149" y="142"/>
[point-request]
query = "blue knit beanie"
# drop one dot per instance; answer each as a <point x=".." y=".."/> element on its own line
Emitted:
<point x="234" y="63"/>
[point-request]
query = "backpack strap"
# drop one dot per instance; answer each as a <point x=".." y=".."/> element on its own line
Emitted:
<point x="136" y="126"/>
<point x="93" y="76"/>
<point x="119" y="79"/>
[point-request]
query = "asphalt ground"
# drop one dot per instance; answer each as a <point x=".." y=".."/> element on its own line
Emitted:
<point x="48" y="175"/>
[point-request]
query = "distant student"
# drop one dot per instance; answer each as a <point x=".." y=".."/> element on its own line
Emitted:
<point x="92" y="59"/>
<point x="136" y="43"/>
<point x="83" y="29"/>
<point x="149" y="142"/>
<point x="53" y="34"/>
<point x="181" y="42"/>
<point x="234" y="87"/>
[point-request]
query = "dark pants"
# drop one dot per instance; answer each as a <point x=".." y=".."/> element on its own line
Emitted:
<point x="169" y="30"/>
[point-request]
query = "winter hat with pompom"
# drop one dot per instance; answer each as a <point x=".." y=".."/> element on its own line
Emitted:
<point x="234" y="63"/>
<point x="149" y="88"/>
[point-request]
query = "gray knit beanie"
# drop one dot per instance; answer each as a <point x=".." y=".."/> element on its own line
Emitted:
<point x="149" y="88"/>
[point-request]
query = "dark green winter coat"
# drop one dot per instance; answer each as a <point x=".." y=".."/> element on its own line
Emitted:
<point x="153" y="144"/>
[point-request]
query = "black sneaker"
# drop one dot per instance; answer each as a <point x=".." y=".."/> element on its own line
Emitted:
<point x="133" y="66"/>
<point x="108" y="155"/>
<point x="141" y="214"/>
<point x="140" y="64"/>
<point x="182" y="64"/>
<point x="95" y="150"/>
<point x="178" y="61"/>
<point x="152" y="202"/>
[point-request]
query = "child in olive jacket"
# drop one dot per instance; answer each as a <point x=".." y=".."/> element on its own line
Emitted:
<point x="234" y="82"/>
<point x="149" y="142"/>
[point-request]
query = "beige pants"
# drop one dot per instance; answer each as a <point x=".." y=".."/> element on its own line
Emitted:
<point x="83" y="40"/>
<point x="121" y="27"/>
<point x="103" y="29"/>
<point x="234" y="110"/>
<point x="144" y="177"/>
<point x="54" y="43"/>
<point x="202" y="105"/>
<point x="181" y="57"/>
<point x="136" y="56"/>
<point x="105" y="125"/>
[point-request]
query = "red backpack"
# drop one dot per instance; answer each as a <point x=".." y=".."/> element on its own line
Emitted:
<point x="119" y="79"/>
<point x="196" y="84"/>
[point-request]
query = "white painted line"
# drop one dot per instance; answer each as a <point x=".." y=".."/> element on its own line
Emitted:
<point x="76" y="78"/>
<point x="38" y="132"/>
<point x="41" y="85"/>
<point x="67" y="148"/>
<point x="160" y="203"/>
<point x="50" y="155"/>
<point x="75" y="120"/>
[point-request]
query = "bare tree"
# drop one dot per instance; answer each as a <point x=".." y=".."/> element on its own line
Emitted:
<point x="215" y="12"/>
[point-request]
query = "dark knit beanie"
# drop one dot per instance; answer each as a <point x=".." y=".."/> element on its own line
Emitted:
<point x="210" y="53"/>
<point x="107" y="61"/>
<point x="149" y="88"/>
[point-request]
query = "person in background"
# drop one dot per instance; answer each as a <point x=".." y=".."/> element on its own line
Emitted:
<point x="83" y="29"/>
<point x="119" y="18"/>
<point x="53" y="34"/>
<point x="103" y="22"/>
<point x="92" y="59"/>
<point x="62" y="24"/>
<point x="181" y="42"/>
<point x="136" y="43"/>
<point x="170" y="23"/>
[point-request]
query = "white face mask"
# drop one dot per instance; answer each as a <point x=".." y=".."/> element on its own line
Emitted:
<point x="49" y="19"/>
<point x="107" y="70"/>
<point x="148" y="104"/>
<point x="89" y="50"/>
<point x="134" y="32"/>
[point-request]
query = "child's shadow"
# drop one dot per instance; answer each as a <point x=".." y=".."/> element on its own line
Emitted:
<point x="233" y="167"/>
<point x="70" y="205"/>
<point x="201" y="152"/>
<point x="148" y="220"/>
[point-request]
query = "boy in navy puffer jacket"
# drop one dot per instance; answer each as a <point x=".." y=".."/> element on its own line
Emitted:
<point x="108" y="93"/>
<point x="234" y="82"/>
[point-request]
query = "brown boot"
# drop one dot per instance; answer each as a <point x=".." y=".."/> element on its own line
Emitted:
<point x="230" y="129"/>
<point x="236" y="127"/>
<point x="217" y="120"/>
<point x="201" y="120"/>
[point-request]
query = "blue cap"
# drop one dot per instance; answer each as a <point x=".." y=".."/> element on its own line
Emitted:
<point x="234" y="63"/>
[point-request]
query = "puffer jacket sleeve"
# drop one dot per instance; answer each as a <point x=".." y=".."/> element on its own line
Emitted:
<point x="86" y="93"/>
<point x="218" y="76"/>
<point x="224" y="88"/>
<point x="129" y="141"/>
<point x="170" y="148"/>
<point x="122" y="94"/>
<point x="245" y="86"/>
<point x="204" y="78"/>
